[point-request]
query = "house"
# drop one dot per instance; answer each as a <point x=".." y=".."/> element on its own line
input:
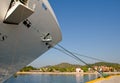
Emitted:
<point x="79" y="70"/>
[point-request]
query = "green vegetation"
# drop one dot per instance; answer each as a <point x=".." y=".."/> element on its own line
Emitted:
<point x="84" y="68"/>
<point x="66" y="67"/>
<point x="63" y="67"/>
<point x="28" y="68"/>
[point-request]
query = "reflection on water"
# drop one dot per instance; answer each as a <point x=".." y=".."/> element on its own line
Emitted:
<point x="77" y="78"/>
<point x="81" y="78"/>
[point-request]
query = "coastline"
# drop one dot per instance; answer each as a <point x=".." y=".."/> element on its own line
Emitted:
<point x="24" y="73"/>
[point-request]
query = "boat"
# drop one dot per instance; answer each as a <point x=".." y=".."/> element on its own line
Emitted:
<point x="28" y="28"/>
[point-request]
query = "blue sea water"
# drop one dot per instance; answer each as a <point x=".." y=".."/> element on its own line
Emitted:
<point x="78" y="78"/>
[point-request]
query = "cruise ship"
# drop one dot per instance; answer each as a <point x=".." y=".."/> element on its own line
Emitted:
<point x="28" y="28"/>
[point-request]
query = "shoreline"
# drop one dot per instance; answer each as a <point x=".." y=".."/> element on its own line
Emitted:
<point x="28" y="73"/>
<point x="25" y="73"/>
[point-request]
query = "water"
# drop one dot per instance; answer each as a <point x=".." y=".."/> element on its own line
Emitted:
<point x="78" y="78"/>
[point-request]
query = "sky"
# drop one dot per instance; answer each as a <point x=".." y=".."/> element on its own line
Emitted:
<point x="89" y="27"/>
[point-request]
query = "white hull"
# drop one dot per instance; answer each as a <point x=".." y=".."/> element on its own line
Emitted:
<point x="20" y="45"/>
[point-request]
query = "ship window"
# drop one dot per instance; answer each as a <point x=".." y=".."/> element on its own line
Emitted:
<point x="44" y="6"/>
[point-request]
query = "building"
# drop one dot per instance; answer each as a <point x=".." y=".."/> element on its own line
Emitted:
<point x="79" y="70"/>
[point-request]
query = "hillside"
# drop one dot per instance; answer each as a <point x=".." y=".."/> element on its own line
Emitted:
<point x="114" y="66"/>
<point x="66" y="67"/>
<point x="63" y="67"/>
<point x="105" y="64"/>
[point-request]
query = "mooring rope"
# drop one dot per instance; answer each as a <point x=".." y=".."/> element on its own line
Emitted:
<point x="73" y="55"/>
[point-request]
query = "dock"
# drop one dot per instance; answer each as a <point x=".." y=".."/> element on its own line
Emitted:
<point x="110" y="79"/>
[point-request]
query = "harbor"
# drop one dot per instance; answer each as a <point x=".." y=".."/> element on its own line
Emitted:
<point x="59" y="41"/>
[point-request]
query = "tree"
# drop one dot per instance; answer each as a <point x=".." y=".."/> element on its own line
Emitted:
<point x="28" y="68"/>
